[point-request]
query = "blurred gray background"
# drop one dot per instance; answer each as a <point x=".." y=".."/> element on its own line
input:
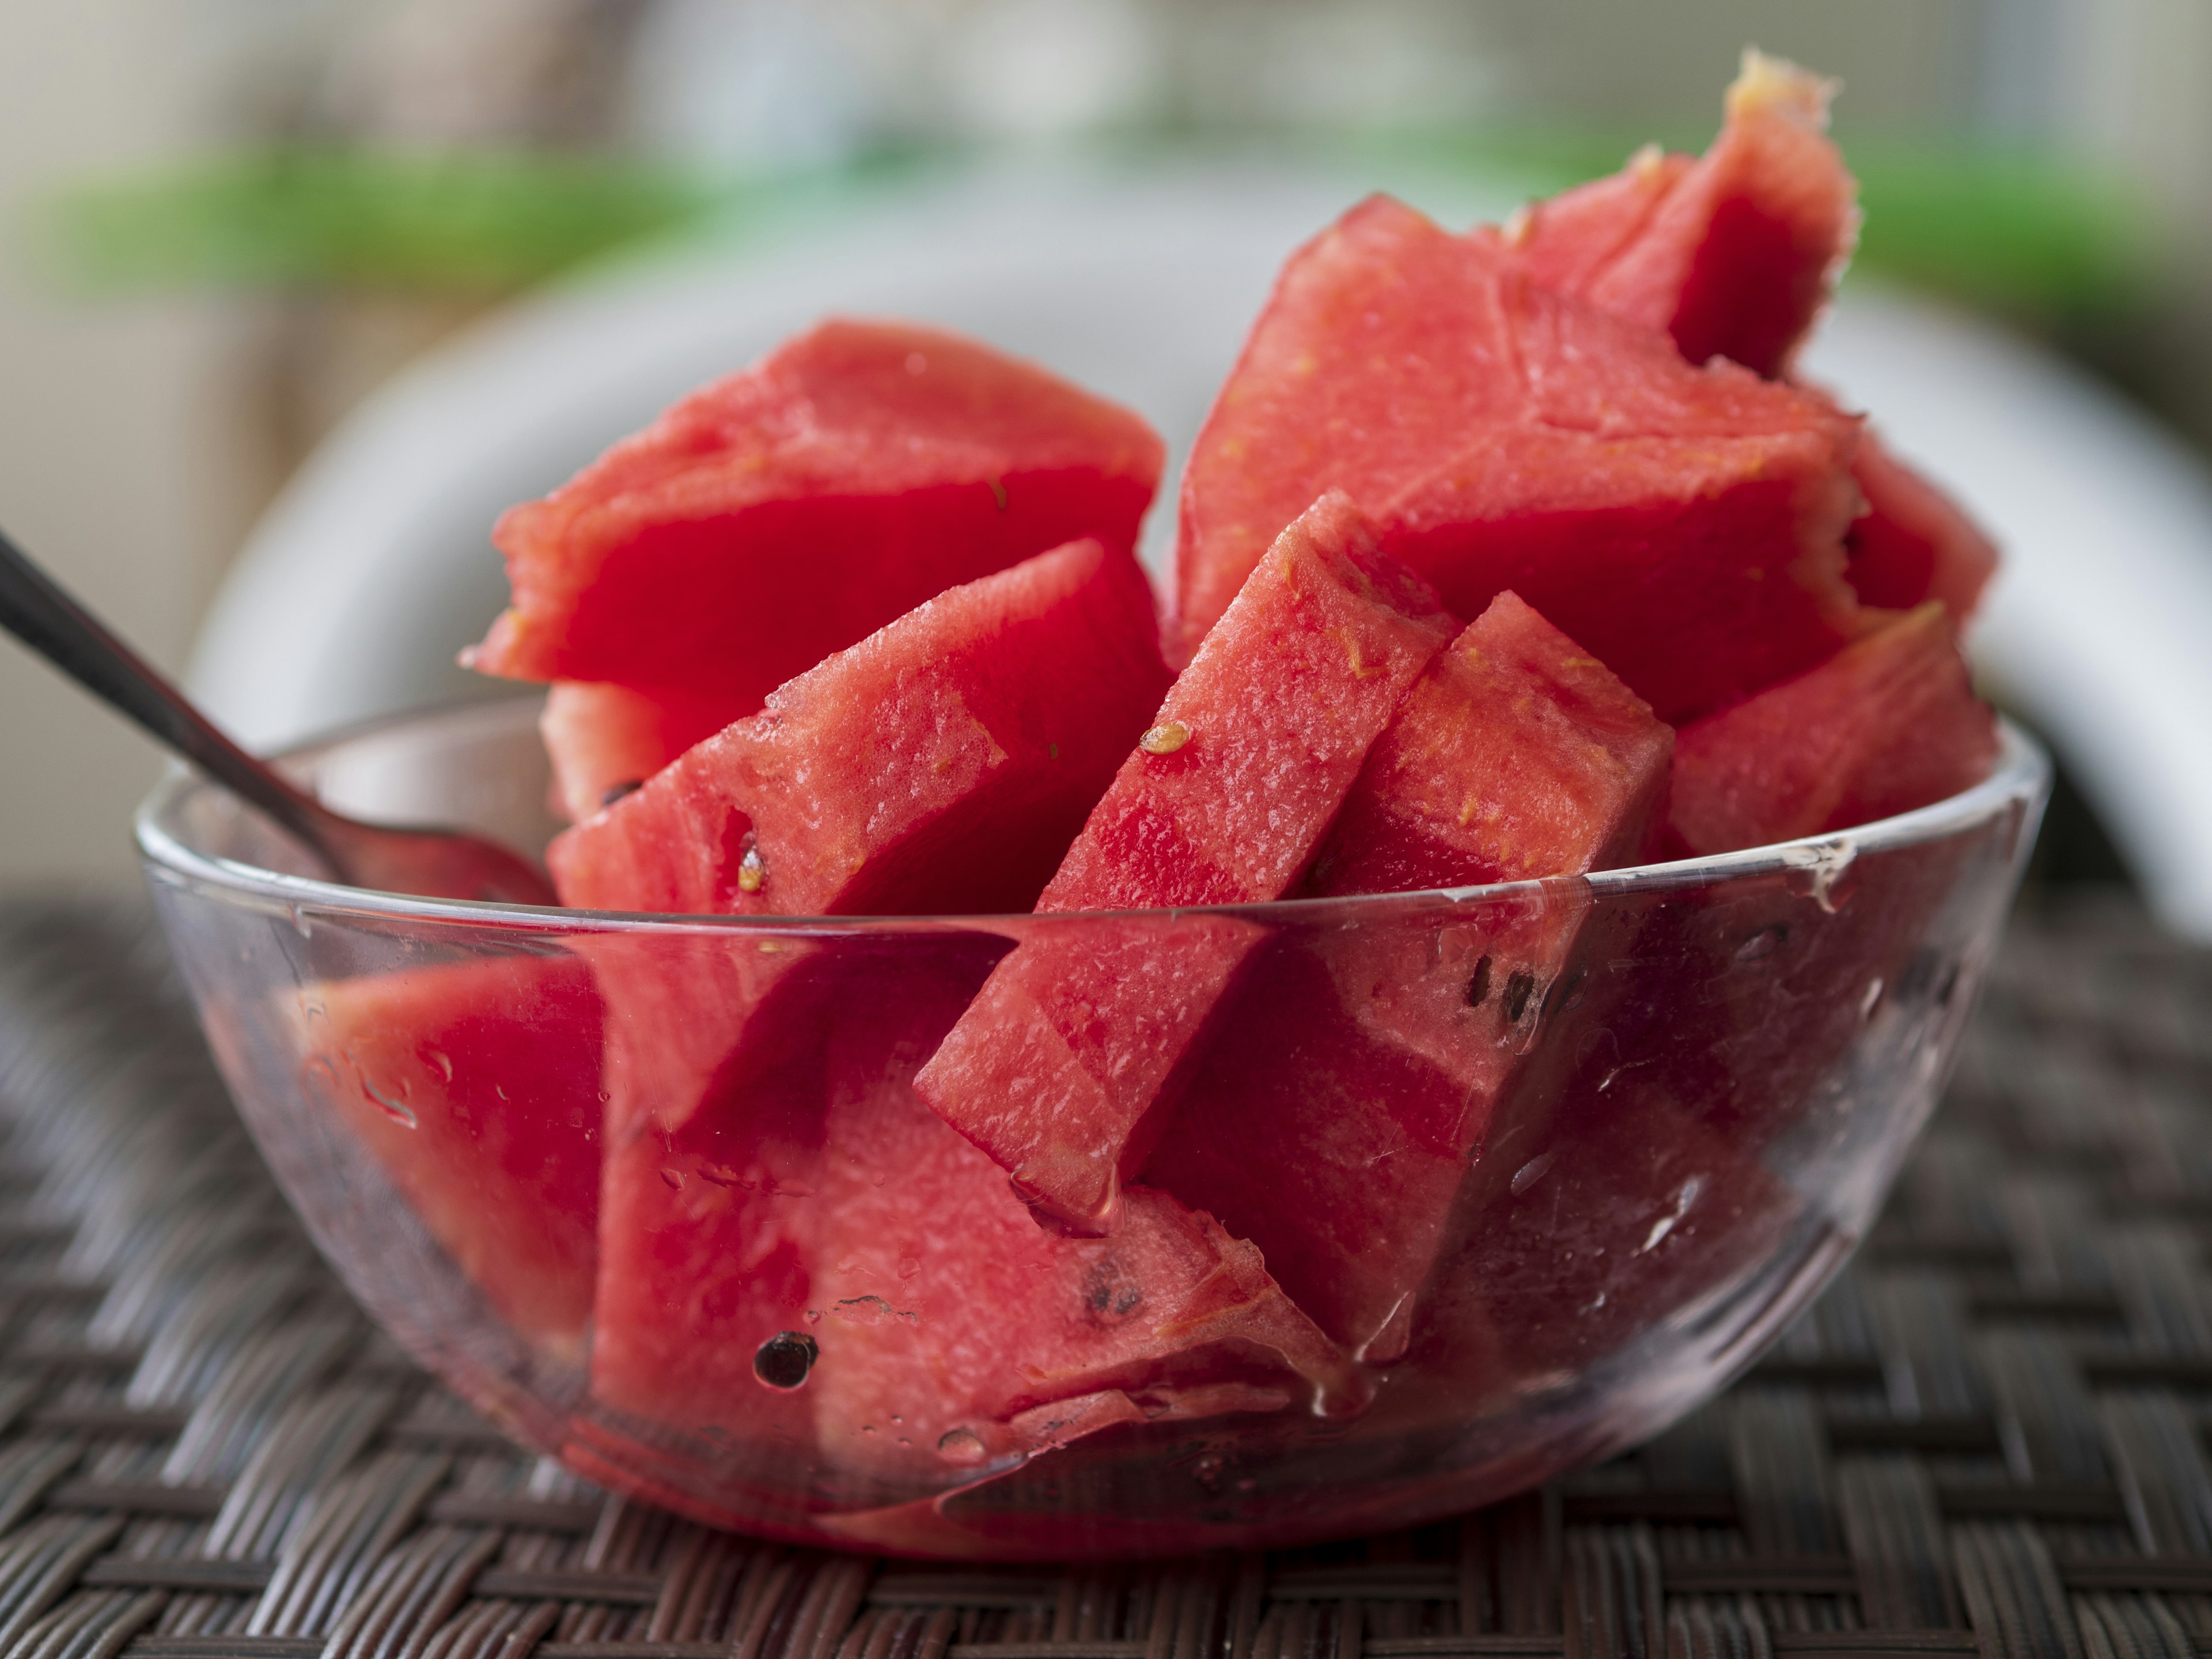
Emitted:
<point x="223" y="223"/>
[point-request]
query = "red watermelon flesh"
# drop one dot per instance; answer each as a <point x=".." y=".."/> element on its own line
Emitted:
<point x="1685" y="525"/>
<point x="1889" y="723"/>
<point x="1332" y="1120"/>
<point x="1516" y="756"/>
<point x="476" y="1085"/>
<point x="942" y="764"/>
<point x="706" y="1224"/>
<point x="822" y="1200"/>
<point x="959" y="1333"/>
<point x="1913" y="543"/>
<point x="797" y="506"/>
<point x="604" y="740"/>
<point x="1735" y="254"/>
<point x="1732" y="254"/>
<point x="1065" y="1068"/>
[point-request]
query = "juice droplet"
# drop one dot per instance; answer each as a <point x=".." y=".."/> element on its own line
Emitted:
<point x="439" y="1062"/>
<point x="960" y="1446"/>
<point x="786" y="1360"/>
<point x="1164" y="739"/>
<point x="397" y="1111"/>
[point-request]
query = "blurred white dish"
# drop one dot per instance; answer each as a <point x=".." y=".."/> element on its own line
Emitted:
<point x="374" y="567"/>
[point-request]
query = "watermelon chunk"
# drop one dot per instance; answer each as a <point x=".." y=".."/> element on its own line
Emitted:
<point x="793" y="509"/>
<point x="958" y="1334"/>
<point x="1732" y="254"/>
<point x="942" y="764"/>
<point x="1064" y="1069"/>
<point x="823" y="1210"/>
<point x="1913" y="543"/>
<point x="1685" y="525"/>
<point x="1332" y="1121"/>
<point x="476" y="1085"/>
<point x="606" y="740"/>
<point x="1888" y="724"/>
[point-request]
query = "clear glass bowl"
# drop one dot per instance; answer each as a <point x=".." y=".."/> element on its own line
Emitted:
<point x="652" y="1193"/>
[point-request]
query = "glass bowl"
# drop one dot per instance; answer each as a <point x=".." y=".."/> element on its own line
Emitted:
<point x="654" y="1192"/>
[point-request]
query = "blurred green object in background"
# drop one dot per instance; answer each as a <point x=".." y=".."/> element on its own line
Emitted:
<point x="453" y="222"/>
<point x="2012" y="233"/>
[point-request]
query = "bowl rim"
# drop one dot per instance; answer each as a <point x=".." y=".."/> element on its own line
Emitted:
<point x="2021" y="776"/>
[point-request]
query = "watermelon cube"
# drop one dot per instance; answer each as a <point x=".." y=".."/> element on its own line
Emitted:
<point x="476" y="1085"/>
<point x="1889" y="723"/>
<point x="793" y="509"/>
<point x="1332" y="1121"/>
<point x="1734" y="253"/>
<point x="1064" y="1069"/>
<point x="958" y="1336"/>
<point x="1685" y="525"/>
<point x="942" y="764"/>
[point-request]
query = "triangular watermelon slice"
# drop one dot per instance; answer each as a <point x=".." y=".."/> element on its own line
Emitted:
<point x="1332" y="1121"/>
<point x="795" y="508"/>
<point x="1685" y="525"/>
<point x="1891" y="722"/>
<point x="1064" y="1069"/>
<point x="1734" y="254"/>
<point x="787" y="512"/>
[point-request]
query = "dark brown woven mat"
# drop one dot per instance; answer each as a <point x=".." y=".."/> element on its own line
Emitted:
<point x="1988" y="1436"/>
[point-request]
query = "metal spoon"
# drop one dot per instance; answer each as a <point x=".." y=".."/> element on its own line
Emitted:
<point x="435" y="863"/>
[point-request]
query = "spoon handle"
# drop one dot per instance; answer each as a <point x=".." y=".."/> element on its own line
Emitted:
<point x="36" y="612"/>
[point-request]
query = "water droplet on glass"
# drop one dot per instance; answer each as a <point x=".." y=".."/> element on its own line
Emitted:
<point x="317" y="1011"/>
<point x="397" y="1111"/>
<point x="300" y="924"/>
<point x="320" y="1071"/>
<point x="960" y="1446"/>
<point x="784" y="1361"/>
<point x="1532" y="1172"/>
<point x="1763" y="944"/>
<point x="1867" y="1002"/>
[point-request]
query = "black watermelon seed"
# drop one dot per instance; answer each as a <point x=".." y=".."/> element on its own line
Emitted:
<point x="1477" y="989"/>
<point x="785" y="1359"/>
<point x="615" y="792"/>
<point x="1518" y="990"/>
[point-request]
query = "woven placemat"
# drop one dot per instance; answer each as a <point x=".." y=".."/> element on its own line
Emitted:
<point x="1988" y="1436"/>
